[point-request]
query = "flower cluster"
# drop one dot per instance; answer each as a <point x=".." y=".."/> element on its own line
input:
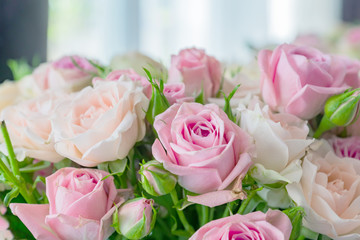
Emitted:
<point x="198" y="151"/>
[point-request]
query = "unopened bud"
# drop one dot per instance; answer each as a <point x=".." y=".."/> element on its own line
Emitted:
<point x="155" y="179"/>
<point x="135" y="218"/>
<point x="343" y="109"/>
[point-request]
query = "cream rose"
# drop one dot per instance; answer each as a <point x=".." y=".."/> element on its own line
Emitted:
<point x="136" y="61"/>
<point x="30" y="128"/>
<point x="9" y="94"/>
<point x="102" y="123"/>
<point x="280" y="141"/>
<point x="329" y="192"/>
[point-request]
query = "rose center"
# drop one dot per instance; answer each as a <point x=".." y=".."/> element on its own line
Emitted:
<point x="336" y="186"/>
<point x="202" y="131"/>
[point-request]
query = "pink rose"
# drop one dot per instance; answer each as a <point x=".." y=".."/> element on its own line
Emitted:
<point x="312" y="40"/>
<point x="63" y="74"/>
<point x="197" y="70"/>
<point x="329" y="192"/>
<point x="274" y="225"/>
<point x="134" y="76"/>
<point x="100" y="124"/>
<point x="205" y="149"/>
<point x="353" y="36"/>
<point x="346" y="147"/>
<point x="298" y="80"/>
<point x="30" y="127"/>
<point x="80" y="206"/>
<point x="174" y="92"/>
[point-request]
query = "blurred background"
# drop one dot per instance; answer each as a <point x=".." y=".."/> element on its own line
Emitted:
<point x="39" y="30"/>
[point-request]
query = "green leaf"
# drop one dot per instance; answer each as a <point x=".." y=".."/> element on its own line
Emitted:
<point x="255" y="201"/>
<point x="63" y="163"/>
<point x="308" y="234"/>
<point x="19" y="68"/>
<point x="200" y="98"/>
<point x="38" y="179"/>
<point x="227" y="106"/>
<point x="252" y="200"/>
<point x="295" y="215"/>
<point x="158" y="102"/>
<point x="11" y="195"/>
<point x="177" y="232"/>
<point x="115" y="221"/>
<point x="35" y="167"/>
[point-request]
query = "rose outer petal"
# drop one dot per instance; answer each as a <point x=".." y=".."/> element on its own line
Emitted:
<point x="33" y="216"/>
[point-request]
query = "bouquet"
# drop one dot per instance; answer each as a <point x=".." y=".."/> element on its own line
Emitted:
<point x="200" y="150"/>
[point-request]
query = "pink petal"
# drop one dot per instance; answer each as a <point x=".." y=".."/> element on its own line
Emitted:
<point x="33" y="216"/>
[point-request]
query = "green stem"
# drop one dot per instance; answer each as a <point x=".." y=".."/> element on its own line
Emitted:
<point x="203" y="215"/>
<point x="246" y="202"/>
<point x="13" y="161"/>
<point x="324" y="126"/>
<point x="211" y="215"/>
<point x="29" y="198"/>
<point x="133" y="178"/>
<point x="181" y="214"/>
<point x="227" y="211"/>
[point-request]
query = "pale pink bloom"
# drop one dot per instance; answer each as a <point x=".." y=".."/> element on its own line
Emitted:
<point x="30" y="128"/>
<point x="329" y="192"/>
<point x="274" y="225"/>
<point x="346" y="147"/>
<point x="134" y="76"/>
<point x="197" y="70"/>
<point x="205" y="149"/>
<point x="80" y="206"/>
<point x="299" y="79"/>
<point x="62" y="74"/>
<point x="100" y="124"/>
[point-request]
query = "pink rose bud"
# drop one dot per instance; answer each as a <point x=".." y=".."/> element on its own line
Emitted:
<point x="174" y="92"/>
<point x="80" y="206"/>
<point x="197" y="70"/>
<point x="299" y="79"/>
<point x="135" y="218"/>
<point x="134" y="76"/>
<point x="274" y="225"/>
<point x="155" y="179"/>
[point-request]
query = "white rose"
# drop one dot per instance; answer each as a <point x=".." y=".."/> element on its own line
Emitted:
<point x="30" y="128"/>
<point x="280" y="141"/>
<point x="102" y="123"/>
<point x="329" y="192"/>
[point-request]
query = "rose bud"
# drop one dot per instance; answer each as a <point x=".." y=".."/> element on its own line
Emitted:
<point x="340" y="110"/>
<point x="343" y="109"/>
<point x="135" y="218"/>
<point x="155" y="179"/>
